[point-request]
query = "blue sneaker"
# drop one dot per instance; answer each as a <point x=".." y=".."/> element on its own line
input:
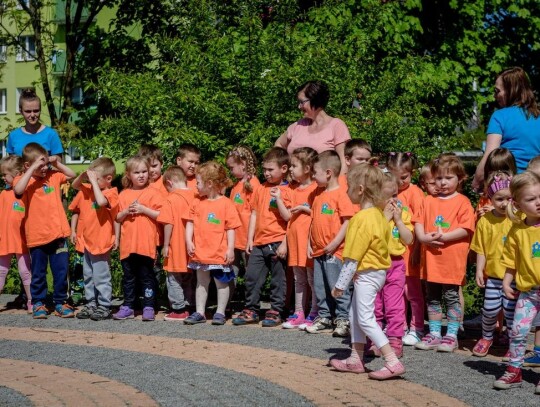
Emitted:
<point x="64" y="311"/>
<point x="39" y="311"/>
<point x="271" y="319"/>
<point x="532" y="359"/>
<point x="195" y="318"/>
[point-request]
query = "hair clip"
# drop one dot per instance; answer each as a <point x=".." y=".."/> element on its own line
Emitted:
<point x="408" y="153"/>
<point x="392" y="153"/>
<point x="385" y="170"/>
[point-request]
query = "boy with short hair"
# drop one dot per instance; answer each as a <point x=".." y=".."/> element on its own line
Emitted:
<point x="46" y="227"/>
<point x="266" y="246"/>
<point x="357" y="151"/>
<point x="98" y="208"/>
<point x="330" y="212"/>
<point x="188" y="158"/>
<point x="174" y="252"/>
<point x="155" y="158"/>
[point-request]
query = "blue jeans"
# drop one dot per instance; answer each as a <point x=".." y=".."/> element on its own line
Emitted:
<point x="325" y="275"/>
<point x="56" y="254"/>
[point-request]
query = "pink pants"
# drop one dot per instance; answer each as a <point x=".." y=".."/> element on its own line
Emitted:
<point x="23" y="263"/>
<point x="390" y="301"/>
<point x="415" y="296"/>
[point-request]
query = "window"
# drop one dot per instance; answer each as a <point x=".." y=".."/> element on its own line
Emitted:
<point x="26" y="3"/>
<point x="27" y="50"/>
<point x="77" y="96"/>
<point x="3" y="101"/>
<point x="3" y="53"/>
<point x="3" y="145"/>
<point x="73" y="156"/>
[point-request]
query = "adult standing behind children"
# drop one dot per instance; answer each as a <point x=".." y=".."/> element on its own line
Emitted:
<point x="516" y="126"/>
<point x="316" y="129"/>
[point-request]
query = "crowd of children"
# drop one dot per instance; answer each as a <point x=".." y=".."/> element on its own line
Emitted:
<point x="363" y="248"/>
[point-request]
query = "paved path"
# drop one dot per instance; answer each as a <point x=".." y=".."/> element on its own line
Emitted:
<point x="71" y="362"/>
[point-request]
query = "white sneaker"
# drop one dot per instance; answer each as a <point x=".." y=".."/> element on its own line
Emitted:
<point x="412" y="338"/>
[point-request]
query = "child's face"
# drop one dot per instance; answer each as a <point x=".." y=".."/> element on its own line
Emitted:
<point x="189" y="163"/>
<point x="500" y="200"/>
<point x="202" y="187"/>
<point x="139" y="176"/>
<point x="41" y="171"/>
<point x="320" y="176"/>
<point x="31" y="111"/>
<point x="358" y="156"/>
<point x="529" y="202"/>
<point x="353" y="192"/>
<point x="237" y="169"/>
<point x="389" y="191"/>
<point x="298" y="172"/>
<point x="155" y="170"/>
<point x="403" y="176"/>
<point x="274" y="173"/>
<point x="430" y="186"/>
<point x="8" y="176"/>
<point x="446" y="182"/>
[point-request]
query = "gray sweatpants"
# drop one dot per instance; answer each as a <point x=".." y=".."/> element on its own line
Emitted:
<point x="97" y="279"/>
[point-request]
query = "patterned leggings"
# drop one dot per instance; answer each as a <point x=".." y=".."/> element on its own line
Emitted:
<point x="527" y="306"/>
<point x="493" y="301"/>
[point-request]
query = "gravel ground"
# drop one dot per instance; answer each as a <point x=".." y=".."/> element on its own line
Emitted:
<point x="10" y="397"/>
<point x="464" y="377"/>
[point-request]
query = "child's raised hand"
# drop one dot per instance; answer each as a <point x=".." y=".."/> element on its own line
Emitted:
<point x="91" y="175"/>
<point x="388" y="210"/>
<point x="483" y="210"/>
<point x="275" y="192"/>
<point x="229" y="256"/>
<point x="336" y="292"/>
<point x="397" y="212"/>
<point x="53" y="160"/>
<point x="40" y="162"/>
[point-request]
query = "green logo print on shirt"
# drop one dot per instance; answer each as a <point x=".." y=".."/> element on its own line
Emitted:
<point x="326" y="210"/>
<point x="212" y="219"/>
<point x="439" y="221"/>
<point x="536" y="250"/>
<point x="18" y="207"/>
<point x="237" y="199"/>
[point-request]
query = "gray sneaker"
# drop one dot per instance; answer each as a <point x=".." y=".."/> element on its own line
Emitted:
<point x="342" y="329"/>
<point x="320" y="324"/>
<point x="101" y="313"/>
<point x="86" y="312"/>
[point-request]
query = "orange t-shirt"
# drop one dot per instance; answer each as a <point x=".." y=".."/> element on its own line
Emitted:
<point x="270" y="227"/>
<point x="447" y="265"/>
<point x="160" y="188"/>
<point x="75" y="207"/>
<point x="138" y="233"/>
<point x="175" y="206"/>
<point x="12" y="213"/>
<point x="298" y="230"/>
<point x="327" y="213"/>
<point x="211" y="220"/>
<point x="242" y="202"/>
<point x="46" y="219"/>
<point x="342" y="181"/>
<point x="411" y="200"/>
<point x="98" y="231"/>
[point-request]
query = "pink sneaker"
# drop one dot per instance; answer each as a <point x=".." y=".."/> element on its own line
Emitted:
<point x="307" y="322"/>
<point x="387" y="372"/>
<point x="429" y="342"/>
<point x="294" y="321"/>
<point x="448" y="344"/>
<point x="342" y="365"/>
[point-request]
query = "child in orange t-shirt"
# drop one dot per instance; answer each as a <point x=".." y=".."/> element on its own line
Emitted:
<point x="12" y="240"/>
<point x="138" y="207"/>
<point x="188" y="158"/>
<point x="330" y="214"/>
<point x="46" y="227"/>
<point x="175" y="258"/>
<point x="297" y="238"/>
<point x="98" y="209"/>
<point x="76" y="277"/>
<point x="410" y="198"/>
<point x="444" y="226"/>
<point x="242" y="165"/>
<point x="266" y="244"/>
<point x="210" y="227"/>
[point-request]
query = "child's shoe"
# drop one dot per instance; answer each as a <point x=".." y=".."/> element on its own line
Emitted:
<point x="342" y="365"/>
<point x="124" y="313"/>
<point x="481" y="348"/>
<point x="387" y="372"/>
<point x="397" y="346"/>
<point x="29" y="308"/>
<point x="148" y="314"/>
<point x="342" y="329"/>
<point x="247" y="316"/>
<point x="320" y="324"/>
<point x="218" y="319"/>
<point x="532" y="359"/>
<point x="429" y="342"/>
<point x="86" y="312"/>
<point x="101" y="314"/>
<point x="39" y="311"/>
<point x="511" y="378"/>
<point x="448" y="344"/>
<point x="412" y="338"/>
<point x="294" y="321"/>
<point x="271" y="319"/>
<point x="176" y="315"/>
<point x="64" y="311"/>
<point x="195" y="318"/>
<point x="307" y="322"/>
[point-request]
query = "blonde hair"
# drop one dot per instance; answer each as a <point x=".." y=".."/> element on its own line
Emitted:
<point x="32" y="151"/>
<point x="329" y="160"/>
<point x="174" y="173"/>
<point x="104" y="165"/>
<point x="12" y="164"/>
<point x="131" y="163"/>
<point x="517" y="185"/>
<point x="244" y="155"/>
<point x="306" y="156"/>
<point x="371" y="178"/>
<point x="534" y="165"/>
<point x="214" y="172"/>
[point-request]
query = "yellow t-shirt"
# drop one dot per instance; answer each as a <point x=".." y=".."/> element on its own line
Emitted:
<point x="522" y="253"/>
<point x="395" y="245"/>
<point x="488" y="240"/>
<point x="366" y="241"/>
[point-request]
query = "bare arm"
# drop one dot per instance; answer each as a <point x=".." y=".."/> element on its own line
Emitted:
<point x="282" y="141"/>
<point x="229" y="256"/>
<point x="25" y="178"/>
<point x="189" y="238"/>
<point x="480" y="265"/>
<point x="340" y="236"/>
<point x="68" y="172"/>
<point x="405" y="235"/>
<point x="493" y="141"/>
<point x="167" y="232"/>
<point x="74" y="220"/>
<point x="251" y="231"/>
<point x="457" y="234"/>
<point x="507" y="281"/>
<point x="340" y="149"/>
<point x="98" y="194"/>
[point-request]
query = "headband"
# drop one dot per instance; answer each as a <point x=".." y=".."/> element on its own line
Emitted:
<point x="497" y="185"/>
